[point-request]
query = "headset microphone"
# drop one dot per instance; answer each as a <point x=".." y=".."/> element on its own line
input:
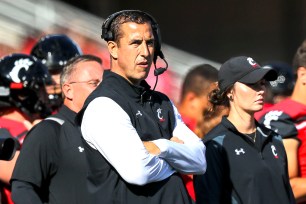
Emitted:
<point x="159" y="71"/>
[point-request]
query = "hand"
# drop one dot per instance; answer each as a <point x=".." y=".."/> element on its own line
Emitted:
<point x="177" y="140"/>
<point x="151" y="148"/>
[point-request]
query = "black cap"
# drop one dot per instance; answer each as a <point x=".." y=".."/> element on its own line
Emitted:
<point x="245" y="70"/>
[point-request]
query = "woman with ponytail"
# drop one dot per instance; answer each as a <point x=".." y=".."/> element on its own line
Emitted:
<point x="246" y="162"/>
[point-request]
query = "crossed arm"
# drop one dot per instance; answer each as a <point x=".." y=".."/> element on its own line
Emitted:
<point x="108" y="129"/>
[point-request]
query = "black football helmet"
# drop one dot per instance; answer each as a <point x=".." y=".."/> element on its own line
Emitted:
<point x="54" y="50"/>
<point x="23" y="81"/>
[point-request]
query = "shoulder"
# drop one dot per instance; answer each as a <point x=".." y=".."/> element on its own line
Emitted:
<point x="281" y="120"/>
<point x="287" y="109"/>
<point x="215" y="142"/>
<point x="43" y="132"/>
<point x="160" y="95"/>
<point x="218" y="134"/>
<point x="267" y="132"/>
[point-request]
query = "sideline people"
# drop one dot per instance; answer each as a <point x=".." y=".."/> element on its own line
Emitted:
<point x="23" y="103"/>
<point x="135" y="141"/>
<point x="288" y="118"/>
<point x="279" y="89"/>
<point x="197" y="84"/>
<point x="56" y="171"/>
<point x="246" y="162"/>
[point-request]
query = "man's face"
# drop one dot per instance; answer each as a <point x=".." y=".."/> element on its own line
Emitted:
<point x="135" y="51"/>
<point x="83" y="81"/>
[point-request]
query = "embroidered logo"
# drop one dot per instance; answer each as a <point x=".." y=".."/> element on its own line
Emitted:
<point x="273" y="148"/>
<point x="252" y="62"/>
<point x="240" y="151"/>
<point x="18" y="65"/>
<point x="159" y="115"/>
<point x="138" y="114"/>
<point x="81" y="149"/>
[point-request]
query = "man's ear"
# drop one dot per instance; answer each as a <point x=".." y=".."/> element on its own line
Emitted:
<point x="301" y="73"/>
<point x="192" y="99"/>
<point x="67" y="91"/>
<point x="190" y="96"/>
<point x="113" y="49"/>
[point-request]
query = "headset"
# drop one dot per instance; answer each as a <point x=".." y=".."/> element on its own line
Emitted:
<point x="107" y="35"/>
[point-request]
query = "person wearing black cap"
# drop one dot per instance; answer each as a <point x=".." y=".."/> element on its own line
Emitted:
<point x="246" y="162"/>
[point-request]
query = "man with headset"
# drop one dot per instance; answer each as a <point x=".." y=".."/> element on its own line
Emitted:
<point x="135" y="141"/>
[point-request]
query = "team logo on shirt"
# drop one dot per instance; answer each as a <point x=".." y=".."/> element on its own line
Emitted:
<point x="239" y="151"/>
<point x="273" y="148"/>
<point x="138" y="114"/>
<point x="159" y="115"/>
<point x="81" y="149"/>
<point x="272" y="115"/>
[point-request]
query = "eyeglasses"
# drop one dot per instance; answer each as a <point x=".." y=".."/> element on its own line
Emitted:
<point x="93" y="83"/>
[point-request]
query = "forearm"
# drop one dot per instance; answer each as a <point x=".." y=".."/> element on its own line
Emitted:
<point x="291" y="146"/>
<point x="187" y="158"/>
<point x="24" y="193"/>
<point x="135" y="164"/>
<point x="186" y="152"/>
<point x="298" y="186"/>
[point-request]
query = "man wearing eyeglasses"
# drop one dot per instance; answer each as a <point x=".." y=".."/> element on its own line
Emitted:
<point x="51" y="167"/>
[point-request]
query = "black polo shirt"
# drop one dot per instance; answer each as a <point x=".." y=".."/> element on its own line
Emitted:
<point x="53" y="161"/>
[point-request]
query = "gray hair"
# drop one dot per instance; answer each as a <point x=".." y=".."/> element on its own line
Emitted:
<point x="69" y="68"/>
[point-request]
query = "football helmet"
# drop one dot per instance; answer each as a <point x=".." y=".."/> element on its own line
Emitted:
<point x="54" y="50"/>
<point x="23" y="81"/>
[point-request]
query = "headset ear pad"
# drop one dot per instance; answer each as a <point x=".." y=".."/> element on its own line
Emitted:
<point x="157" y="45"/>
<point x="107" y="35"/>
